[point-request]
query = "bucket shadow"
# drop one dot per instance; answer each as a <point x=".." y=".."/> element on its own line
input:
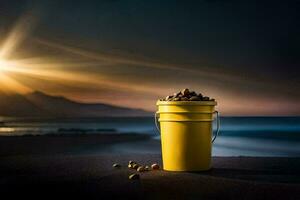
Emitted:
<point x="279" y="176"/>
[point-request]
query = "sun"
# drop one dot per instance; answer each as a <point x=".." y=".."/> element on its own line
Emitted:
<point x="4" y="65"/>
<point x="9" y="84"/>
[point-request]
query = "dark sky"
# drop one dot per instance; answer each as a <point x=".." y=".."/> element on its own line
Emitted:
<point x="243" y="53"/>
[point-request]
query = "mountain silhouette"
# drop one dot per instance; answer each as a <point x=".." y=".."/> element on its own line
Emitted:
<point x="39" y="104"/>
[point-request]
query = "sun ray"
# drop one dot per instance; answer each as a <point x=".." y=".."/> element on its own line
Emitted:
<point x="18" y="34"/>
<point x="11" y="85"/>
<point x="204" y="71"/>
<point x="58" y="74"/>
<point x="216" y="74"/>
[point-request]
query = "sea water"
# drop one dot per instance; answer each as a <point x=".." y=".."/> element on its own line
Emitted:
<point x="239" y="136"/>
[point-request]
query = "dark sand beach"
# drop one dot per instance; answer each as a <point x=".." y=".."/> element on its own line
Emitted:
<point x="56" y="167"/>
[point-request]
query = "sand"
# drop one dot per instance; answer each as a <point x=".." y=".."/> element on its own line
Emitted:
<point x="56" y="175"/>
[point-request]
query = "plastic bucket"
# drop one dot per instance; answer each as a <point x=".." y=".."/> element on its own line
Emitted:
<point x="186" y="134"/>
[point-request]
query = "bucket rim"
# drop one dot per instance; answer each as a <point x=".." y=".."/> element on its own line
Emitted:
<point x="187" y="103"/>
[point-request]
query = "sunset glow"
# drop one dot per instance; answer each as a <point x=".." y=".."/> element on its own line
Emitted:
<point x="53" y="71"/>
<point x="99" y="63"/>
<point x="58" y="71"/>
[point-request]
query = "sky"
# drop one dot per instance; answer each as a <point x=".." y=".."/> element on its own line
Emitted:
<point x="245" y="54"/>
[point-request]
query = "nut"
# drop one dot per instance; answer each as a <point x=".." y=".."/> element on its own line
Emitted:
<point x="134" y="177"/>
<point x="168" y="98"/>
<point x="116" y="165"/>
<point x="140" y="169"/>
<point x="176" y="94"/>
<point x="131" y="162"/>
<point x="185" y="92"/>
<point x="135" y="166"/>
<point x="195" y="98"/>
<point x="205" y="98"/>
<point x="193" y="93"/>
<point x="184" y="99"/>
<point x="155" y="166"/>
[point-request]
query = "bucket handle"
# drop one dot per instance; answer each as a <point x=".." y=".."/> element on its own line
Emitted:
<point x="156" y="122"/>
<point x="215" y="135"/>
<point x="218" y="126"/>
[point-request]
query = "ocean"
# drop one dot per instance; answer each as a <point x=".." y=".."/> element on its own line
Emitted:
<point x="239" y="136"/>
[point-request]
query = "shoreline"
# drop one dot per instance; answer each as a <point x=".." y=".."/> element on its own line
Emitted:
<point x="120" y="143"/>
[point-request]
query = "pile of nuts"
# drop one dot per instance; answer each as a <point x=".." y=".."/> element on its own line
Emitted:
<point x="186" y="95"/>
<point x="139" y="168"/>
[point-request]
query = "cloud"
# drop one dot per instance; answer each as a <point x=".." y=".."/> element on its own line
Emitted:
<point x="148" y="63"/>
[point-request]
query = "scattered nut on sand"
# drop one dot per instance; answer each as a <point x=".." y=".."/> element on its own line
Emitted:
<point x="135" y="166"/>
<point x="134" y="177"/>
<point x="155" y="166"/>
<point x="116" y="165"/>
<point x="140" y="169"/>
<point x="147" y="168"/>
<point x="131" y="162"/>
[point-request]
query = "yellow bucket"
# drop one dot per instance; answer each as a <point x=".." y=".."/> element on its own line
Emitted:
<point x="186" y="134"/>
